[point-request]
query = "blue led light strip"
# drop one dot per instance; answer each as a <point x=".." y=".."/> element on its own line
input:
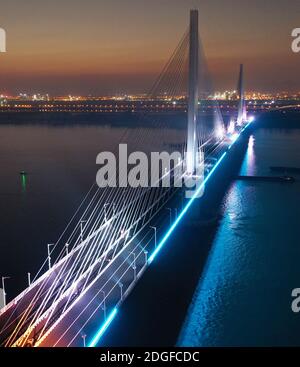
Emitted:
<point x="102" y="329"/>
<point x="185" y="209"/>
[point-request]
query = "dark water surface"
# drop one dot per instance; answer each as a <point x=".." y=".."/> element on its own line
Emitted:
<point x="243" y="297"/>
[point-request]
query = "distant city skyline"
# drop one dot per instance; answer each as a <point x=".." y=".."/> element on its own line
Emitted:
<point x="222" y="95"/>
<point x="114" y="47"/>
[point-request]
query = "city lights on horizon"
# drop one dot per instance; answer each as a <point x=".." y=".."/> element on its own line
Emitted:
<point x="227" y="95"/>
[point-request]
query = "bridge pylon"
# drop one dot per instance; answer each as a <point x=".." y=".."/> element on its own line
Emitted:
<point x="242" y="113"/>
<point x="193" y="94"/>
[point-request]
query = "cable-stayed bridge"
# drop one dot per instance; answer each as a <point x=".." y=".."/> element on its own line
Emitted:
<point x="118" y="230"/>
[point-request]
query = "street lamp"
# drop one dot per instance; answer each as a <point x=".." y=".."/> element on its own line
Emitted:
<point x="170" y="210"/>
<point x="134" y="265"/>
<point x="155" y="235"/>
<point x="49" y="254"/>
<point x="121" y="289"/>
<point x="104" y="304"/>
<point x="84" y="337"/>
<point x="176" y="213"/>
<point x="81" y="229"/>
<point x="4" y="292"/>
<point x="146" y="257"/>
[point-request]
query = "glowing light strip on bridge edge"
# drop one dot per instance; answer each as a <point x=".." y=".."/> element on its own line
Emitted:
<point x="185" y="209"/>
<point x="101" y="331"/>
<point x="112" y="315"/>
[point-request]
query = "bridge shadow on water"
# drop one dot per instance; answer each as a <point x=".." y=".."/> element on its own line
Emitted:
<point x="154" y="313"/>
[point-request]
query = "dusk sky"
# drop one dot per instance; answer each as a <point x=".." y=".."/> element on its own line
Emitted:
<point x="114" y="46"/>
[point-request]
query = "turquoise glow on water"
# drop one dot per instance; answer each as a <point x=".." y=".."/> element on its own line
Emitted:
<point x="243" y="297"/>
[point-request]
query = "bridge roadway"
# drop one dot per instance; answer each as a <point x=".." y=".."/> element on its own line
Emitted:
<point x="18" y="308"/>
<point x="107" y="289"/>
<point x="98" y="299"/>
<point x="103" y="282"/>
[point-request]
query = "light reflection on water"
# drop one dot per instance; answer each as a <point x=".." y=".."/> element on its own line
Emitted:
<point x="249" y="164"/>
<point x="244" y="294"/>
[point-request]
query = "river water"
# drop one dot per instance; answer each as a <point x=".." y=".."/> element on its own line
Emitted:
<point x="243" y="297"/>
